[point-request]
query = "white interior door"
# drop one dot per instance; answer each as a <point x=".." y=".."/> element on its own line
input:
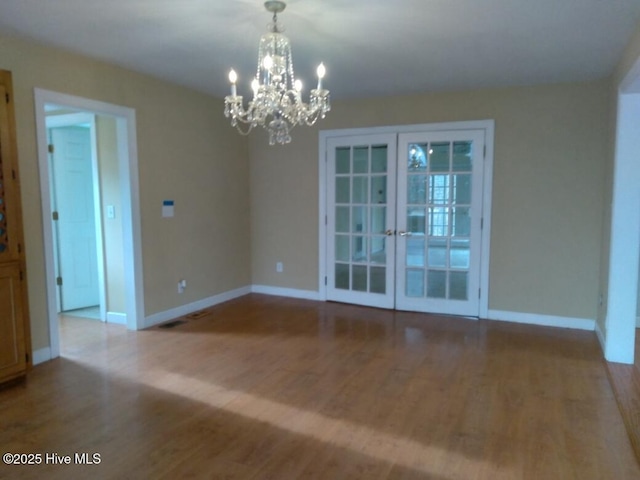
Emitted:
<point x="404" y="220"/>
<point x="75" y="227"/>
<point x="439" y="221"/>
<point x="361" y="219"/>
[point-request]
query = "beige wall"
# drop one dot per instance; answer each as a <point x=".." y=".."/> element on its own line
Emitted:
<point x="186" y="151"/>
<point x="550" y="156"/>
<point x="112" y="227"/>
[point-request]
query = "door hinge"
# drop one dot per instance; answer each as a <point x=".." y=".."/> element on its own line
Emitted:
<point x="484" y="151"/>
<point x="325" y="280"/>
<point x="21" y="276"/>
<point x="59" y="281"/>
<point x="13" y="174"/>
<point x="26" y="357"/>
<point x="19" y="248"/>
<point x="51" y="148"/>
<point x="481" y="223"/>
<point x="6" y="96"/>
<point x="325" y="220"/>
<point x="55" y="215"/>
<point x="479" y="291"/>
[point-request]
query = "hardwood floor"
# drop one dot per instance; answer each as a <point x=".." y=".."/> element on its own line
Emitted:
<point x="625" y="380"/>
<point x="272" y="388"/>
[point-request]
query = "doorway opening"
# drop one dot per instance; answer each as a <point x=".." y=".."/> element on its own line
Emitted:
<point x="110" y="131"/>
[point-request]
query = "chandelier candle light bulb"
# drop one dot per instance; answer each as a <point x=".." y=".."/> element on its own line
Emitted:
<point x="277" y="104"/>
<point x="233" y="78"/>
<point x="321" y="72"/>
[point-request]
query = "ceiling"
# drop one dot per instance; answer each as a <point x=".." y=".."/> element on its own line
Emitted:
<point x="370" y="47"/>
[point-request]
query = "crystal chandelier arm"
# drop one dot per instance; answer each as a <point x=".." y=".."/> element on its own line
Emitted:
<point x="235" y="110"/>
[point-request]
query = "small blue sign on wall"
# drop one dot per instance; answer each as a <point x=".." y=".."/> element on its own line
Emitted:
<point x="167" y="208"/>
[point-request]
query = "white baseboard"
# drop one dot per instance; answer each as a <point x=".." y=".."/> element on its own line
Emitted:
<point x="41" y="356"/>
<point x="544" y="320"/>
<point x="286" y="292"/>
<point x="115" y="317"/>
<point x="182" y="310"/>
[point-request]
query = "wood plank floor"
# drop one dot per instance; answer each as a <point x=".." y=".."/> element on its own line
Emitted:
<point x="272" y="388"/>
<point x="625" y="380"/>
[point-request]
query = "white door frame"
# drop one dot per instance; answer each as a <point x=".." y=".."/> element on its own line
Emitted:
<point x="128" y="167"/>
<point x="487" y="125"/>
<point x="68" y="120"/>
<point x="620" y="321"/>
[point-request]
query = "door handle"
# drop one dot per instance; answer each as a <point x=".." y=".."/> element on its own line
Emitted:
<point x="389" y="233"/>
<point x="404" y="234"/>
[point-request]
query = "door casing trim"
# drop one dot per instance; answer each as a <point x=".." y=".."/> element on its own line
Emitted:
<point x="128" y="169"/>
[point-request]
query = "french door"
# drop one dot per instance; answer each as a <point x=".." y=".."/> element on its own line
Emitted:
<point x="361" y="218"/>
<point x="404" y="226"/>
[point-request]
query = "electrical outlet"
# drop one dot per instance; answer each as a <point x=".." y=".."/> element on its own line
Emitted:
<point x="279" y="267"/>
<point x="182" y="285"/>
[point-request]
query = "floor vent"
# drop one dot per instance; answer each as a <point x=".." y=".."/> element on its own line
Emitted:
<point x="175" y="323"/>
<point x="197" y="315"/>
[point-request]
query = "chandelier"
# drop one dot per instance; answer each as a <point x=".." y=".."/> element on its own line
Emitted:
<point x="277" y="102"/>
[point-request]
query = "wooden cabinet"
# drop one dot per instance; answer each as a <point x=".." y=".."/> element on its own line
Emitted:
<point x="15" y="341"/>
<point x="12" y="332"/>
